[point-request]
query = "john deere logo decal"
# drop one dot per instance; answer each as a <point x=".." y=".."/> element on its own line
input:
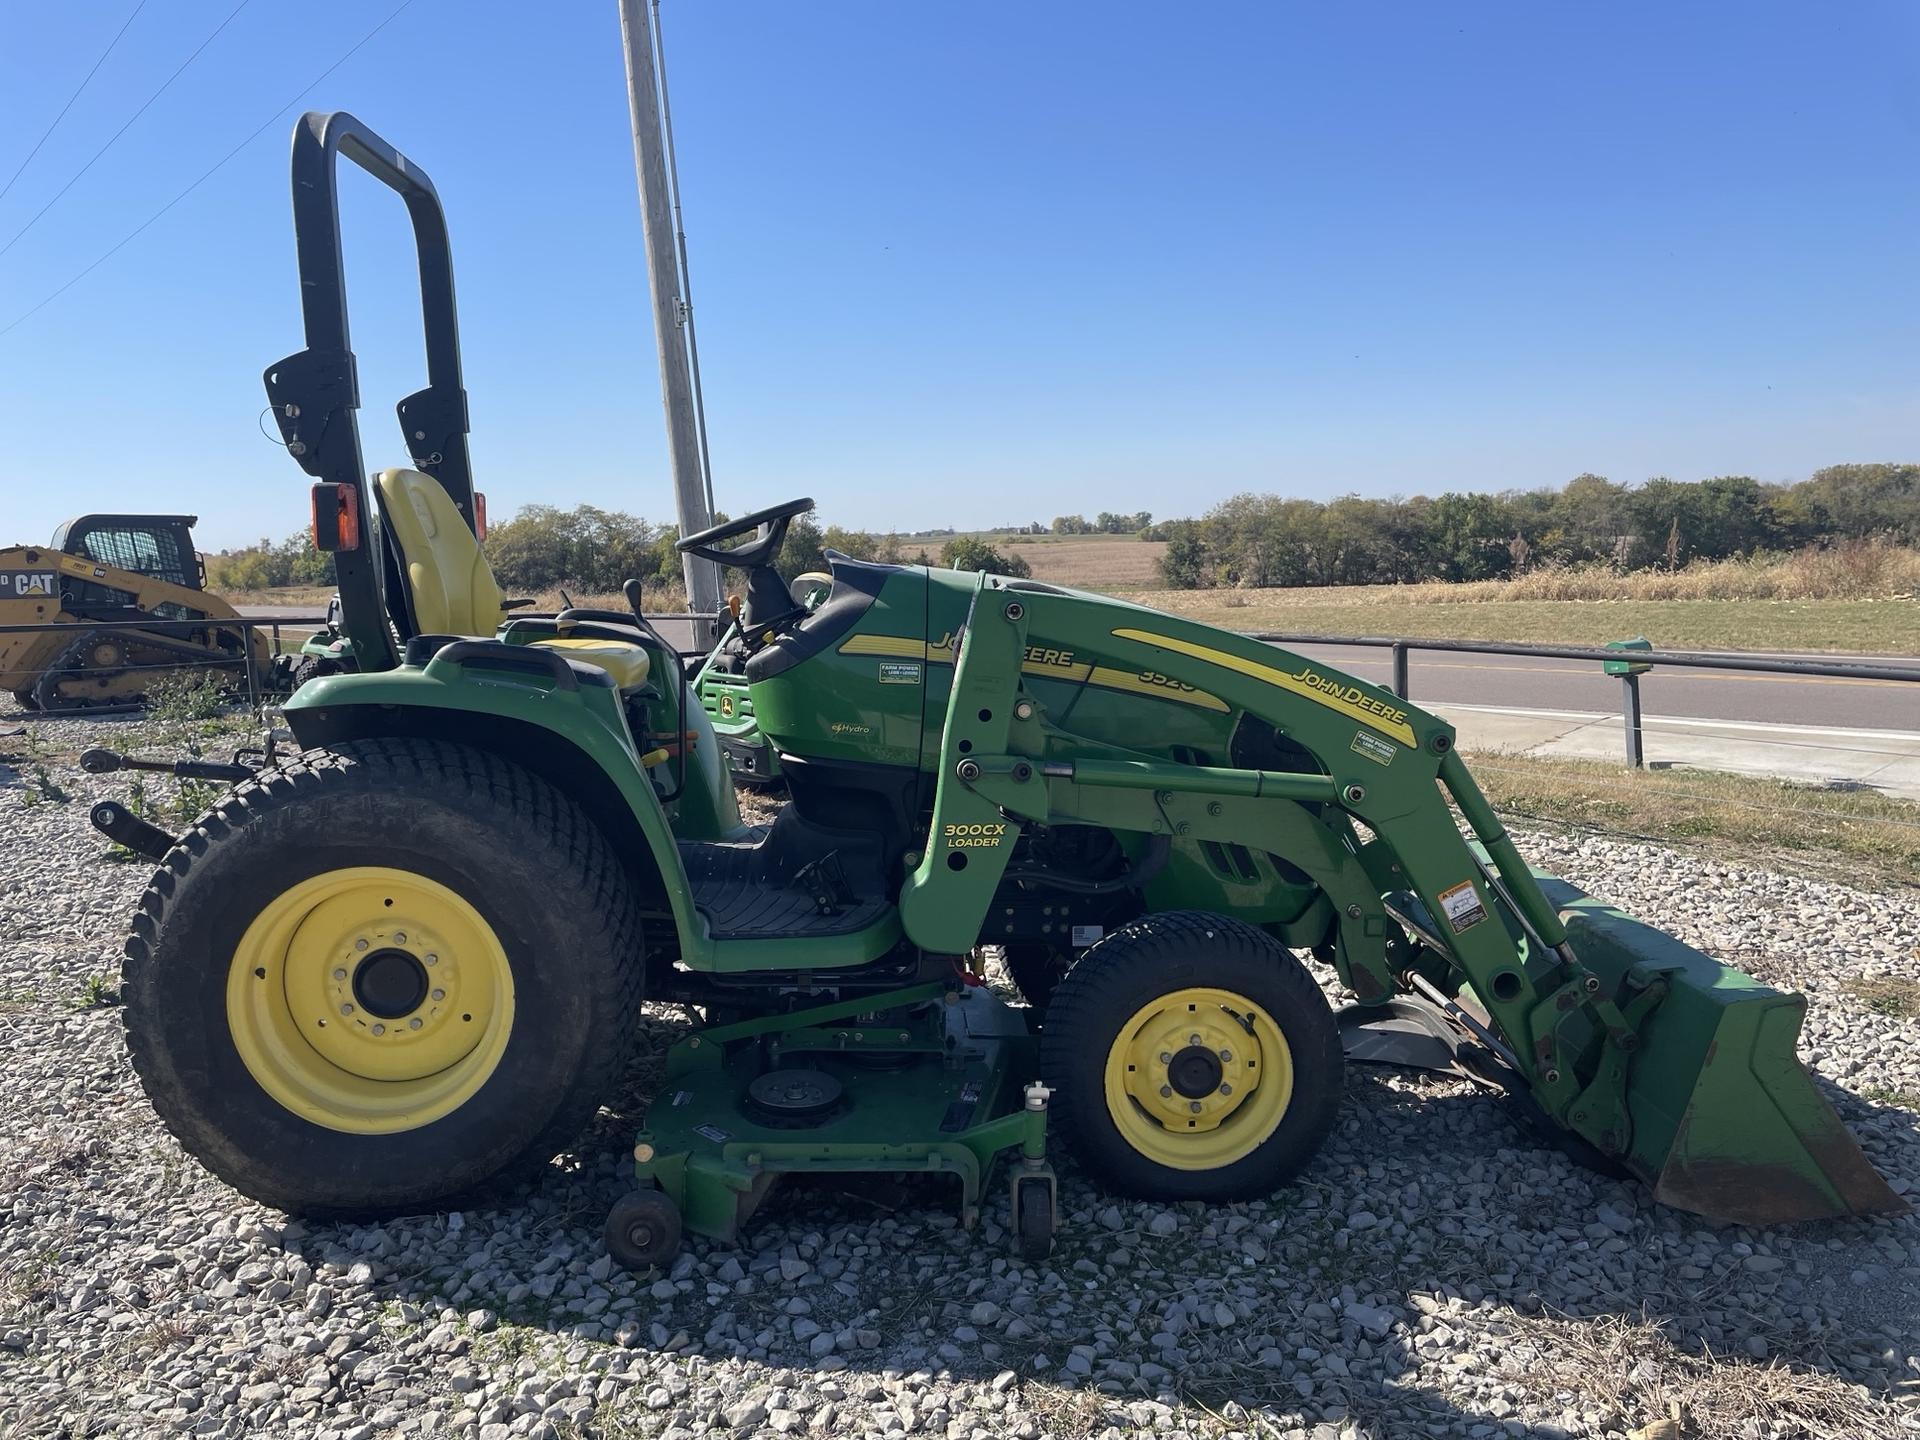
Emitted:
<point x="726" y="707"/>
<point x="1348" y="699"/>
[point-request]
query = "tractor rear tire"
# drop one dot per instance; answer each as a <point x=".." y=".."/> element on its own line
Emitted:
<point x="310" y="1051"/>
<point x="1191" y="1057"/>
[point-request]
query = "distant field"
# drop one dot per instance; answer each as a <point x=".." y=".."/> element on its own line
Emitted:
<point x="1857" y="602"/>
<point x="1091" y="562"/>
<point x="1887" y="627"/>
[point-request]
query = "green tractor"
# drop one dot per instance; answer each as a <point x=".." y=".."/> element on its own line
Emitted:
<point x="412" y="959"/>
<point x="727" y="695"/>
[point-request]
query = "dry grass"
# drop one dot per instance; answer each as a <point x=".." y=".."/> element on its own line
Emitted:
<point x="1890" y="995"/>
<point x="1861" y="834"/>
<point x="1874" y="627"/>
<point x="1853" y="598"/>
<point x="1865" y="571"/>
<point x="1631" y="1366"/>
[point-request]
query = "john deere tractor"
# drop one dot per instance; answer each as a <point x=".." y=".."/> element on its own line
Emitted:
<point x="412" y="959"/>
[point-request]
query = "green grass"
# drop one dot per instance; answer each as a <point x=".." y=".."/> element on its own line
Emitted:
<point x="1883" y="1095"/>
<point x="1856" y="836"/>
<point x="1890" y="627"/>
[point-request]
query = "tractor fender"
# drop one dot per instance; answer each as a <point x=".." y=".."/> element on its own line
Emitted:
<point x="577" y="741"/>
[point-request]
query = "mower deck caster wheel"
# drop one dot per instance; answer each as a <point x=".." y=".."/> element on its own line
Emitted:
<point x="1033" y="1219"/>
<point x="643" y="1230"/>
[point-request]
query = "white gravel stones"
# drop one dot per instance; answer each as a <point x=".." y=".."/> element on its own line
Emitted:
<point x="1433" y="1273"/>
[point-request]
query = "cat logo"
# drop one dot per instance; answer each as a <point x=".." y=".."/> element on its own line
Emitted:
<point x="18" y="584"/>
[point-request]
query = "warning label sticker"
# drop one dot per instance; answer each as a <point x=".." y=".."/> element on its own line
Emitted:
<point x="1462" y="906"/>
<point x="1379" y="751"/>
<point x="713" y="1133"/>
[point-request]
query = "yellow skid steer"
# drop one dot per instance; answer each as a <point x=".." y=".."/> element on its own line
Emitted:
<point x="138" y="575"/>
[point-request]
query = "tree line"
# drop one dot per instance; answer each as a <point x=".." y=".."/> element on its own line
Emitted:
<point x="1249" y="540"/>
<point x="1274" y="540"/>
<point x="591" y="550"/>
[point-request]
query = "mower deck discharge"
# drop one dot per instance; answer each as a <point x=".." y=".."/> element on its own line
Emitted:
<point x="412" y="959"/>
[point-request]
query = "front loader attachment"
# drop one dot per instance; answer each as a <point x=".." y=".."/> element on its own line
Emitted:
<point x="1725" y="1121"/>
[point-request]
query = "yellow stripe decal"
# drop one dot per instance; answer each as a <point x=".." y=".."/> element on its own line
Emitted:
<point x="896" y="647"/>
<point x="1059" y="666"/>
<point x="1335" y="694"/>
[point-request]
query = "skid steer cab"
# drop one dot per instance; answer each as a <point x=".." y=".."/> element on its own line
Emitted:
<point x="425" y="943"/>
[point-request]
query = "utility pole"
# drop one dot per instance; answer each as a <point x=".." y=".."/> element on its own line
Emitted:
<point x="670" y="313"/>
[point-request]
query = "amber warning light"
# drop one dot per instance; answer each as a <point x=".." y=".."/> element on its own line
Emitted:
<point x="336" y="517"/>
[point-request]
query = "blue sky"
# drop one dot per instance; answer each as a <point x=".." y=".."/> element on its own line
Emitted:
<point x="973" y="264"/>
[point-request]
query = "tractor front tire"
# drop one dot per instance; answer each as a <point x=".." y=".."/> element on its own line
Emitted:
<point x="313" y="667"/>
<point x="382" y="976"/>
<point x="1191" y="1057"/>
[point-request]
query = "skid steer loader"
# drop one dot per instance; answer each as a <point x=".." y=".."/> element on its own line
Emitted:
<point x="411" y="960"/>
<point x="139" y="573"/>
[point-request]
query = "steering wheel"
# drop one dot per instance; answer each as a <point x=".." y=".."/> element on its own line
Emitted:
<point x="753" y="554"/>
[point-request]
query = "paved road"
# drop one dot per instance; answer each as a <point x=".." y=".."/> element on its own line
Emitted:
<point x="1523" y="683"/>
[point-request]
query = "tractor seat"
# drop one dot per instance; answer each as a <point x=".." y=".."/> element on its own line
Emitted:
<point x="626" y="663"/>
<point x="450" y="586"/>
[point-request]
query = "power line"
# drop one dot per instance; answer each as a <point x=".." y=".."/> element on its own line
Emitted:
<point x="164" y="85"/>
<point x="47" y="134"/>
<point x="209" y="173"/>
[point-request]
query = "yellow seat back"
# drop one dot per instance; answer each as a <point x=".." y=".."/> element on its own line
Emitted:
<point x="452" y="585"/>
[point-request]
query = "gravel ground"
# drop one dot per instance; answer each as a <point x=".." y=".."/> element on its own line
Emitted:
<point x="1434" y="1273"/>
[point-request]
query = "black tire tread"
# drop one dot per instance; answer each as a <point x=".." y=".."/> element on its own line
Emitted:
<point x="1073" y="1017"/>
<point x="460" y="774"/>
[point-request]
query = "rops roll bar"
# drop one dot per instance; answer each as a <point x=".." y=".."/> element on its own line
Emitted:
<point x="315" y="391"/>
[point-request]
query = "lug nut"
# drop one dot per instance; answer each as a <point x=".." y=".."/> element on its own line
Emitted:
<point x="1193" y="1039"/>
<point x="399" y="937"/>
<point x="339" y="973"/>
<point x="1166" y="1057"/>
<point x="1226" y="1055"/>
<point x="379" y="1029"/>
<point x="439" y="994"/>
<point x="1226" y="1089"/>
<point x="432" y="959"/>
<point x="415" y="1023"/>
<point x="1194" y="1106"/>
<point x="346" y="1009"/>
<point x="359" y="944"/>
<point x="1166" y="1092"/>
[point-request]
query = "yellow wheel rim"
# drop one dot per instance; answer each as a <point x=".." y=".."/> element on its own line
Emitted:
<point x="1198" y="1078"/>
<point x="370" y="1000"/>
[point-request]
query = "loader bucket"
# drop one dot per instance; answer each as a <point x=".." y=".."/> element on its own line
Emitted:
<point x="1726" y="1121"/>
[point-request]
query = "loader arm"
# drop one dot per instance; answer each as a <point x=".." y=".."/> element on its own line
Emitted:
<point x="1410" y="891"/>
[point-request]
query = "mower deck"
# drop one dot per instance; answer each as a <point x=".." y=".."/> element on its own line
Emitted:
<point x="938" y="1069"/>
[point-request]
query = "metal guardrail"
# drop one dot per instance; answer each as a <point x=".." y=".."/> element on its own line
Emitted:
<point x="1629" y="663"/>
